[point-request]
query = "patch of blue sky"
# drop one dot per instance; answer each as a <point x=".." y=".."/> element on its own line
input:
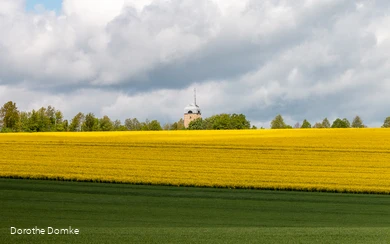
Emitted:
<point x="47" y="4"/>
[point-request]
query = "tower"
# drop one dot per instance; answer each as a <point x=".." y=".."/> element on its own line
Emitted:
<point x="191" y="112"/>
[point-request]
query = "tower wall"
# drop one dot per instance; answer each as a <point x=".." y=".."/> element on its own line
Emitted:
<point x="190" y="117"/>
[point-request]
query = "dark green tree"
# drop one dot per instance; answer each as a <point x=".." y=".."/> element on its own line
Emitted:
<point x="33" y="122"/>
<point x="305" y="124"/>
<point x="226" y="122"/>
<point x="106" y="124"/>
<point x="65" y="125"/>
<point x="222" y="122"/>
<point x="89" y="122"/>
<point x="154" y="125"/>
<point x="278" y="122"/>
<point x="340" y="123"/>
<point x="44" y="122"/>
<point x="346" y="121"/>
<point x="239" y="122"/>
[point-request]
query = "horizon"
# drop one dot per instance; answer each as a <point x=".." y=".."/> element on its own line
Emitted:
<point x="142" y="59"/>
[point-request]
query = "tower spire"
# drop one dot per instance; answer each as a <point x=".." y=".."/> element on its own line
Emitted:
<point x="195" y="96"/>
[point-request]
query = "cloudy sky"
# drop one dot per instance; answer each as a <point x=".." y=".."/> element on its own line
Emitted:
<point x="304" y="59"/>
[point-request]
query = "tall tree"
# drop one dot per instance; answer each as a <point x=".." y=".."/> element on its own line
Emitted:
<point x="89" y="122"/>
<point x="51" y="115"/>
<point x="59" y="117"/>
<point x="66" y="125"/>
<point x="180" y="124"/>
<point x="325" y="123"/>
<point x="357" y="122"/>
<point x="129" y="124"/>
<point x="44" y="122"/>
<point x="77" y="121"/>
<point x="117" y="125"/>
<point x="278" y="122"/>
<point x="59" y="121"/>
<point x="106" y="123"/>
<point x="9" y="116"/>
<point x="386" y="123"/>
<point x="305" y="124"/>
<point x="23" y="123"/>
<point x="346" y="121"/>
<point x="33" y="122"/>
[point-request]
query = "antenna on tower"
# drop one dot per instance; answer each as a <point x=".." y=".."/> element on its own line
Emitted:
<point x="195" y="96"/>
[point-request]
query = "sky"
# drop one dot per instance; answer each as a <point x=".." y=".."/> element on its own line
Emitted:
<point x="302" y="59"/>
<point x="53" y="5"/>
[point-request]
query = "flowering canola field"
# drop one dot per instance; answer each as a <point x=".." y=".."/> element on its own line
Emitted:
<point x="341" y="160"/>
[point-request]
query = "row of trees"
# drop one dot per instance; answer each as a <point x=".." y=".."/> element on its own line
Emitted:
<point x="221" y="122"/>
<point x="50" y="119"/>
<point x="278" y="123"/>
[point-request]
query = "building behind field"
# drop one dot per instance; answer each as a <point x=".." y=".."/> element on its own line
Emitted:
<point x="191" y="112"/>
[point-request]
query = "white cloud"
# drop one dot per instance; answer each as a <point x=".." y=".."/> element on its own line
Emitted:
<point x="141" y="58"/>
<point x="11" y="7"/>
<point x="92" y="12"/>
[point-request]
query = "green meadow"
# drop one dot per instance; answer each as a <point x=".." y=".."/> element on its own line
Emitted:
<point x="123" y="213"/>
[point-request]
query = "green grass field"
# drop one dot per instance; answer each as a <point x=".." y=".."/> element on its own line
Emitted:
<point x="112" y="213"/>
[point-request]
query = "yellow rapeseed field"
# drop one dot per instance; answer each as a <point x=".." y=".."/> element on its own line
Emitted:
<point x="344" y="160"/>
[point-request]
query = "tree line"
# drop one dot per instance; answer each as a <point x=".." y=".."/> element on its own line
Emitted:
<point x="357" y="122"/>
<point x="50" y="119"/>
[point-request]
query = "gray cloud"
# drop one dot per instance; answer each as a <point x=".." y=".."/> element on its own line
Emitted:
<point x="302" y="59"/>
